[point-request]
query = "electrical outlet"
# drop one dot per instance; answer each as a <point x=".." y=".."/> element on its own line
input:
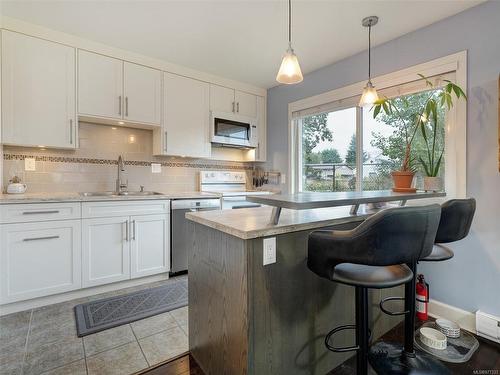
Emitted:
<point x="155" y="168"/>
<point x="269" y="250"/>
<point x="29" y="164"/>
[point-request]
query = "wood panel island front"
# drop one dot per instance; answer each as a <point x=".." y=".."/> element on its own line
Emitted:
<point x="250" y="318"/>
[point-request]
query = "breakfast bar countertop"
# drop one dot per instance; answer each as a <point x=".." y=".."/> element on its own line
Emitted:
<point x="302" y="211"/>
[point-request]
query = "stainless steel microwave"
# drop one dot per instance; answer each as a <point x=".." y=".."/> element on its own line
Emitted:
<point x="228" y="129"/>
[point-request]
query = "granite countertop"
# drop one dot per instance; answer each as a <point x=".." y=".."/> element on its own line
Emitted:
<point x="251" y="223"/>
<point x="76" y="197"/>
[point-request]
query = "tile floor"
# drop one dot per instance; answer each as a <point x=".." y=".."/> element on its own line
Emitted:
<point x="44" y="341"/>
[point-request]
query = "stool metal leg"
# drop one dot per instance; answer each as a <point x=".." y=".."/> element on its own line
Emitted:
<point x="410" y="295"/>
<point x="362" y="331"/>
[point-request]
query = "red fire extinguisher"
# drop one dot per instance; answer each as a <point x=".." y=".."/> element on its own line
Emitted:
<point x="422" y="302"/>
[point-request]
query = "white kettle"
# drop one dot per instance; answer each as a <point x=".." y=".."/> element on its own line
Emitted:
<point x="16" y="187"/>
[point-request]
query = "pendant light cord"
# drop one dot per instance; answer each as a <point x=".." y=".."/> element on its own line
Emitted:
<point x="290" y="22"/>
<point x="369" y="51"/>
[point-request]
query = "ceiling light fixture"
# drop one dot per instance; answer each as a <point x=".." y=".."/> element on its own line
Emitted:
<point x="369" y="95"/>
<point x="289" y="72"/>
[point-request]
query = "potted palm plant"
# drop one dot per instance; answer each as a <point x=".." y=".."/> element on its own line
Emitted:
<point x="425" y="119"/>
<point x="430" y="128"/>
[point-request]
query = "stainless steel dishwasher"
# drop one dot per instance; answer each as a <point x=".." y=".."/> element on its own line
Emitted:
<point x="180" y="235"/>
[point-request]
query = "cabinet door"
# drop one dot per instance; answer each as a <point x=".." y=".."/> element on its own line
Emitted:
<point x="106" y="250"/>
<point x="142" y="91"/>
<point x="38" y="87"/>
<point x="100" y="85"/>
<point x="39" y="259"/>
<point x="150" y="245"/>
<point x="246" y="104"/>
<point x="222" y="99"/>
<point x="260" y="151"/>
<point x="186" y="116"/>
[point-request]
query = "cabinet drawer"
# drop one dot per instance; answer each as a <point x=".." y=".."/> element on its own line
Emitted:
<point x="24" y="213"/>
<point x="39" y="259"/>
<point x="111" y="209"/>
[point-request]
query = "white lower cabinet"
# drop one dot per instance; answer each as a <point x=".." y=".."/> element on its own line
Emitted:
<point x="150" y="244"/>
<point x="124" y="247"/>
<point x="39" y="259"/>
<point x="106" y="250"/>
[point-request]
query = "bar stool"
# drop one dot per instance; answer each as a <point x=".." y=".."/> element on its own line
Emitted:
<point x="372" y="255"/>
<point x="388" y="358"/>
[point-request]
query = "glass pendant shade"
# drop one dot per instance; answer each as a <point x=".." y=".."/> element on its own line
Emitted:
<point x="289" y="72"/>
<point x="369" y="95"/>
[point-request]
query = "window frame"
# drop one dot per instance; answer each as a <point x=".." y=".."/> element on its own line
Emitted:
<point x="455" y="136"/>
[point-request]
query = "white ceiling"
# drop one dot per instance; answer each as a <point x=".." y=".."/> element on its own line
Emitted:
<point x="239" y="39"/>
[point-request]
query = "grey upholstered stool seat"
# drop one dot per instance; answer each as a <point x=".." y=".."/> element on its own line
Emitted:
<point x="376" y="277"/>
<point x="372" y="255"/>
<point x="454" y="225"/>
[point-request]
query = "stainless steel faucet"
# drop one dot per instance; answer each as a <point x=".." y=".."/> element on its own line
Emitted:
<point x="120" y="185"/>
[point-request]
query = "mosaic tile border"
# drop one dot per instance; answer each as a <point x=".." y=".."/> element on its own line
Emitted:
<point x="66" y="159"/>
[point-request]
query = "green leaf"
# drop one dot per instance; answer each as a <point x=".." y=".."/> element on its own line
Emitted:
<point x="424" y="164"/>
<point x="386" y="108"/>
<point x="435" y="172"/>
<point x="422" y="129"/>
<point x="377" y="110"/>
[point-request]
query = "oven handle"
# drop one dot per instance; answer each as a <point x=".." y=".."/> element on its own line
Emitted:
<point x="246" y="206"/>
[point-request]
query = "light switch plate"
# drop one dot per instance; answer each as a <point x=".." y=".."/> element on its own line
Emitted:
<point x="29" y="164"/>
<point x="269" y="250"/>
<point x="155" y="168"/>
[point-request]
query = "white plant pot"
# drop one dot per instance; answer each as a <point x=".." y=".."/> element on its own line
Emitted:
<point x="433" y="183"/>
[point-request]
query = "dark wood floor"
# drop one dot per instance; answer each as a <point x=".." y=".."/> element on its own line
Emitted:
<point x="486" y="358"/>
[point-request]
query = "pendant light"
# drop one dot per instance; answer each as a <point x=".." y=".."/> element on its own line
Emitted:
<point x="369" y="95"/>
<point x="289" y="72"/>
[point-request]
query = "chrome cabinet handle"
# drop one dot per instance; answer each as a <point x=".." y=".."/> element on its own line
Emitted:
<point x="126" y="106"/>
<point x="165" y="146"/>
<point x="40" y="238"/>
<point x="70" y="131"/>
<point x="134" y="228"/>
<point x="238" y="107"/>
<point x="233" y="107"/>
<point x="120" y="105"/>
<point x="40" y="212"/>
<point x="126" y="231"/>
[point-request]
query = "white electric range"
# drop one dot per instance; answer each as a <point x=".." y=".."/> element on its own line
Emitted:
<point x="232" y="186"/>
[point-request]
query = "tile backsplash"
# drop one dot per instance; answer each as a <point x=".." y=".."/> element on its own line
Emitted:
<point x="93" y="166"/>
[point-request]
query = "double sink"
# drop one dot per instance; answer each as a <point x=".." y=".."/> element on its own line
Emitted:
<point x="119" y="194"/>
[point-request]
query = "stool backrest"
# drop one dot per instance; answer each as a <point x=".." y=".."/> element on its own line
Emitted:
<point x="456" y="220"/>
<point x="391" y="236"/>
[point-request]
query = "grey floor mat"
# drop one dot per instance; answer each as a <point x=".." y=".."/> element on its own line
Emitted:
<point x="458" y="350"/>
<point x="95" y="316"/>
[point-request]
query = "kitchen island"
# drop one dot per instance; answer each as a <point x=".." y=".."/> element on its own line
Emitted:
<point x="250" y="318"/>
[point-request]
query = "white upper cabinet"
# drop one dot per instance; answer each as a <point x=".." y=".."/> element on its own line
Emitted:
<point x="260" y="151"/>
<point x="142" y="94"/>
<point x="246" y="104"/>
<point x="186" y="117"/>
<point x="110" y="88"/>
<point x="38" y="92"/>
<point x="222" y="99"/>
<point x="100" y="85"/>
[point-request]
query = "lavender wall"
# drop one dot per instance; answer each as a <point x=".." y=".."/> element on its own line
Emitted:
<point x="471" y="279"/>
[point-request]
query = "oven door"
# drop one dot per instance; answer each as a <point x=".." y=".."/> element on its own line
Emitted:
<point x="232" y="130"/>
